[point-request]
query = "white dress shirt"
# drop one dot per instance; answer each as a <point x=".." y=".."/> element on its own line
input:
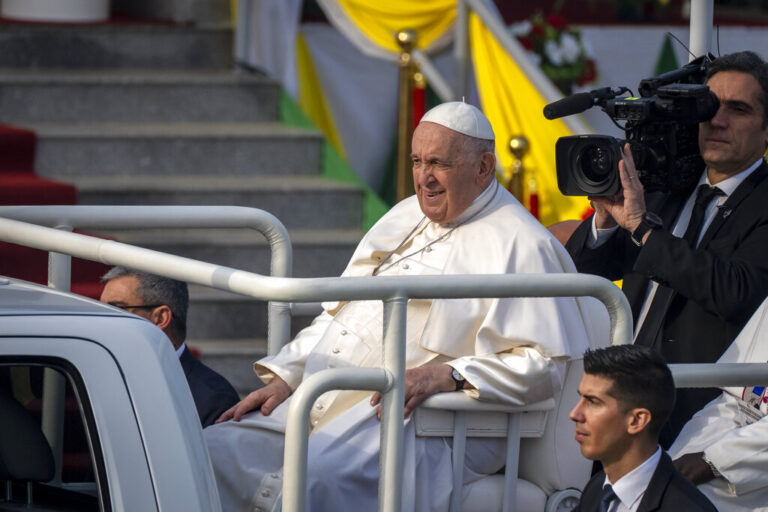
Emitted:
<point x="630" y="488"/>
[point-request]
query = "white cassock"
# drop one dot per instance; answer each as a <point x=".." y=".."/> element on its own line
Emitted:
<point x="732" y="430"/>
<point x="511" y="350"/>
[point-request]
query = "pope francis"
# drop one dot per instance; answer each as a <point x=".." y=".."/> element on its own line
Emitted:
<point x="511" y="350"/>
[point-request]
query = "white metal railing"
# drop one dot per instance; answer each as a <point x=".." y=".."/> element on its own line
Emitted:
<point x="395" y="292"/>
<point x="132" y="217"/>
<point x="129" y="217"/>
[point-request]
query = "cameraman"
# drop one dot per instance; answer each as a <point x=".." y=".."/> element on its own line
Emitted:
<point x="692" y="290"/>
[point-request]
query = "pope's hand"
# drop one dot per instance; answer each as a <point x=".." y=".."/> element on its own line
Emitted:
<point x="420" y="384"/>
<point x="268" y="397"/>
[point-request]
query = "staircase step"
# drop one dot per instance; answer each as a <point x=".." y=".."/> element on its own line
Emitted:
<point x="233" y="358"/>
<point x="316" y="252"/>
<point x="28" y="188"/>
<point x="159" y="149"/>
<point x="298" y="201"/>
<point x="153" y="46"/>
<point x="221" y="315"/>
<point x="121" y="95"/>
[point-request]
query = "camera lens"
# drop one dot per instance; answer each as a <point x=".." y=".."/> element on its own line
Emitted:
<point x="595" y="163"/>
<point x="587" y="165"/>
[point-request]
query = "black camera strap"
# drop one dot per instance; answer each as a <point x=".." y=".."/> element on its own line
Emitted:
<point x="662" y="299"/>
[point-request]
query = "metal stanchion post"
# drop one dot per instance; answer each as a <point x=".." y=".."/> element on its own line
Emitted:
<point x="404" y="179"/>
<point x="518" y="145"/>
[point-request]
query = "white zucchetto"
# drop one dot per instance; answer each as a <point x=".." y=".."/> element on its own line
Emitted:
<point x="461" y="117"/>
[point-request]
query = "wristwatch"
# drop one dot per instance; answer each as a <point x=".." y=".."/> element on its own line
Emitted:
<point x="648" y="222"/>
<point x="712" y="467"/>
<point x="458" y="379"/>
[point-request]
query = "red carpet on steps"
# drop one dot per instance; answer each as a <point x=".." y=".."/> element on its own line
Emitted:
<point x="19" y="185"/>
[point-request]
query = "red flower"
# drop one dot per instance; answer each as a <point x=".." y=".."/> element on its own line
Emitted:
<point x="590" y="73"/>
<point x="527" y="43"/>
<point x="556" y="21"/>
<point x="538" y="30"/>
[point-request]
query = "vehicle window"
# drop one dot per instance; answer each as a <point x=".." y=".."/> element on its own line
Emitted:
<point x="48" y="453"/>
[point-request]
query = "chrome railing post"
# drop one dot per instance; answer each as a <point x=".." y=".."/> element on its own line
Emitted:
<point x="391" y="455"/>
<point x="60" y="267"/>
<point x="700" y="38"/>
<point x="294" y="497"/>
<point x="461" y="48"/>
<point x="54" y="383"/>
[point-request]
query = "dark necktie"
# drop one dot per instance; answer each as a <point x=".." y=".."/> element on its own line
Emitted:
<point x="704" y="194"/>
<point x="606" y="497"/>
<point x="654" y="319"/>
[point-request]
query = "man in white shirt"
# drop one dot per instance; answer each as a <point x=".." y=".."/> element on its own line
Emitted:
<point x="627" y="393"/>
<point x="512" y="350"/>
<point x="723" y="449"/>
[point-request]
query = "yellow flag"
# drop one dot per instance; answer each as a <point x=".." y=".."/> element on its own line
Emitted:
<point x="381" y="20"/>
<point x="311" y="98"/>
<point x="514" y="106"/>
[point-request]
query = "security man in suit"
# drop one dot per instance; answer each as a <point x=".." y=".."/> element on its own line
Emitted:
<point x="164" y="302"/>
<point x="693" y="263"/>
<point x="627" y="393"/>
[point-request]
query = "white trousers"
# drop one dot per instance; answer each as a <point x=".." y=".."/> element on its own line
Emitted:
<point x="343" y="463"/>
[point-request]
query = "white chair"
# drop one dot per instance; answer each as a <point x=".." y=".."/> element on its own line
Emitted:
<point x="540" y="443"/>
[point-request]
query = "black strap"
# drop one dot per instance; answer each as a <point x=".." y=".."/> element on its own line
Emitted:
<point x="654" y="319"/>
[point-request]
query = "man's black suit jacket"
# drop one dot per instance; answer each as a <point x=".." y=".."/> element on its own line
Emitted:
<point x="668" y="490"/>
<point x="213" y="394"/>
<point x="717" y="286"/>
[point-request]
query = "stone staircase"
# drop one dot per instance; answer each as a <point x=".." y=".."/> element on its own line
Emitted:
<point x="153" y="114"/>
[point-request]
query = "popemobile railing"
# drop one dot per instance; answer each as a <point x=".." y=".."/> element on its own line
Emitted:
<point x="394" y="291"/>
<point x="68" y="218"/>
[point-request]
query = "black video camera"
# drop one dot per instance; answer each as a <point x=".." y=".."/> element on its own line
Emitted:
<point x="661" y="128"/>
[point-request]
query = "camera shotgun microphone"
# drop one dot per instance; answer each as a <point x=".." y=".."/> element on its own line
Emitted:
<point x="573" y="104"/>
<point x="581" y="101"/>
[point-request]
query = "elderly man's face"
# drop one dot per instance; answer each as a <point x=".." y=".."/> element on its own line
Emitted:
<point x="446" y="177"/>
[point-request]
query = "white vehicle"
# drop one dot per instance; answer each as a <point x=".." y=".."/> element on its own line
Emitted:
<point x="112" y="401"/>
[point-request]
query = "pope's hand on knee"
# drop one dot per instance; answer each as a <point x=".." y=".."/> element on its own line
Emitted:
<point x="420" y="384"/>
<point x="266" y="398"/>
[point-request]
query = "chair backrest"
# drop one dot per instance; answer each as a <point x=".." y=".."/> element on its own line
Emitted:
<point x="25" y="454"/>
<point x="554" y="461"/>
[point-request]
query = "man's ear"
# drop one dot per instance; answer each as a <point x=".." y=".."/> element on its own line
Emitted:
<point x="161" y="316"/>
<point x="638" y="420"/>
<point x="487" y="168"/>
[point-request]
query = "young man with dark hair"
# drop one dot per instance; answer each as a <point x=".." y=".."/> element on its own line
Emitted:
<point x="627" y="394"/>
